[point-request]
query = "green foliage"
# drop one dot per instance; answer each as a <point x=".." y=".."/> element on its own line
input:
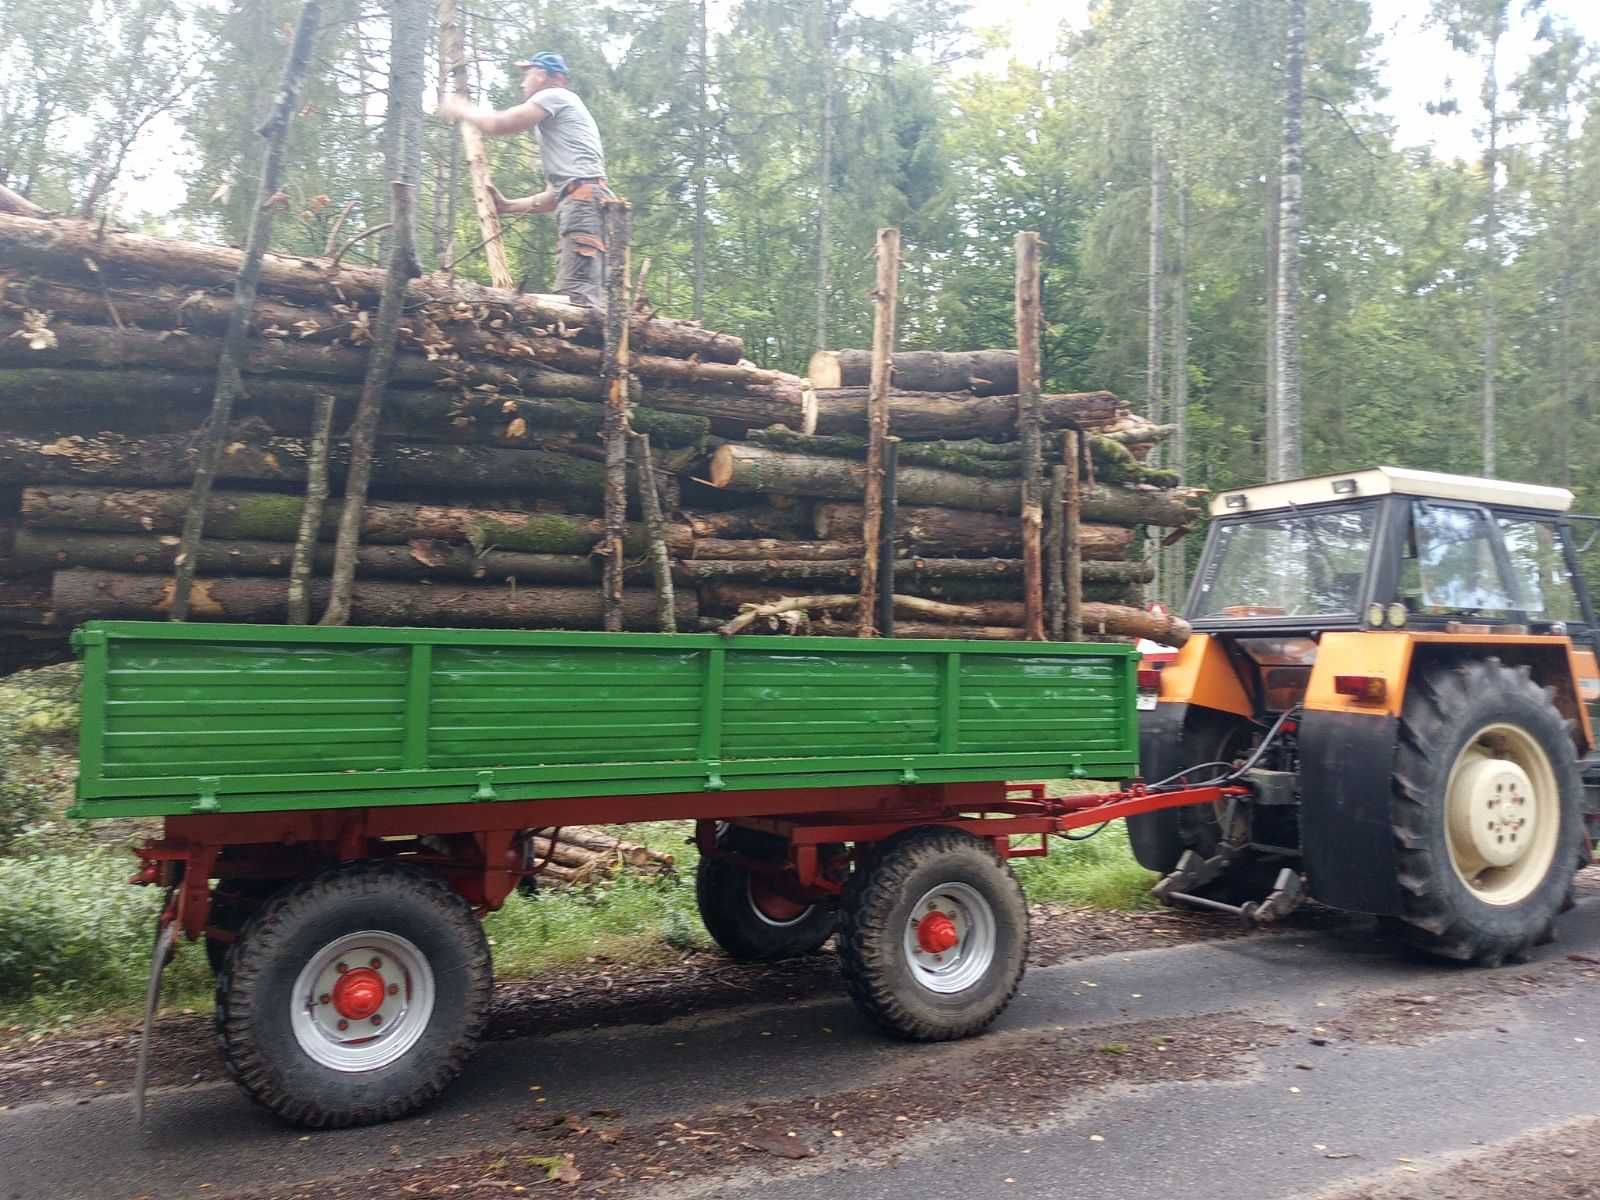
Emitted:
<point x="38" y="724"/>
<point x="1097" y="873"/>
<point x="75" y="939"/>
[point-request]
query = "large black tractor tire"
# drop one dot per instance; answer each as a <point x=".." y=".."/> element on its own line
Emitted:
<point x="1486" y="812"/>
<point x="1159" y="839"/>
<point x="355" y="997"/>
<point x="744" y="916"/>
<point x="933" y="935"/>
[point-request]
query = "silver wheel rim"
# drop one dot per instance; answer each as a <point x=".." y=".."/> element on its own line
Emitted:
<point x="362" y="1001"/>
<point x="958" y="911"/>
<point x="1502" y="814"/>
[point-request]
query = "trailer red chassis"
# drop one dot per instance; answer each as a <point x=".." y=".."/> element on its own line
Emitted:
<point x="477" y="845"/>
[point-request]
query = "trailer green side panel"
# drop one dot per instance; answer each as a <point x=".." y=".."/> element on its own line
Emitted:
<point x="250" y="718"/>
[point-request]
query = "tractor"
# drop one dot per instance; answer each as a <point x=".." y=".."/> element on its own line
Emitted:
<point x="1402" y="665"/>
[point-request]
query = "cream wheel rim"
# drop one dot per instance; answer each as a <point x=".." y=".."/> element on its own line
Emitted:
<point x="1502" y="814"/>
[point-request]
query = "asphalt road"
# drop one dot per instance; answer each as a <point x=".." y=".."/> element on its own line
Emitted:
<point x="1515" y="1055"/>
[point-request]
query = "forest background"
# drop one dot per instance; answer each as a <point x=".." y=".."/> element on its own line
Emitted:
<point x="1446" y="302"/>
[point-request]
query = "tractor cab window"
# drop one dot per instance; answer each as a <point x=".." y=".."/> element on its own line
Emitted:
<point x="1451" y="564"/>
<point x="1300" y="563"/>
<point x="1539" y="563"/>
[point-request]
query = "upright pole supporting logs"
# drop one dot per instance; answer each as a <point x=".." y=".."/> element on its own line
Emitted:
<point x="615" y="222"/>
<point x="452" y="49"/>
<point x="1071" y="535"/>
<point x="883" y="296"/>
<point x="644" y="474"/>
<point x="891" y="465"/>
<point x="1055" y="539"/>
<point x="1028" y="433"/>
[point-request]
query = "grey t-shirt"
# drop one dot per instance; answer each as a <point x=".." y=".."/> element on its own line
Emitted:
<point x="569" y="140"/>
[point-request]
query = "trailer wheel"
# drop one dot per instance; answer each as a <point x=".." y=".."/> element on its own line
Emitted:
<point x="744" y="915"/>
<point x="933" y="935"/>
<point x="1486" y="812"/>
<point x="354" y="997"/>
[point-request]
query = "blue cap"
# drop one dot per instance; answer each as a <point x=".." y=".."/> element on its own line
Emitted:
<point x="549" y="60"/>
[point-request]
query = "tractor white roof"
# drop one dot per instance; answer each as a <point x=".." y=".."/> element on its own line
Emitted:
<point x="1380" y="481"/>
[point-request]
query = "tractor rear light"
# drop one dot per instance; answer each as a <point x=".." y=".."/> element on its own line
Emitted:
<point x="1149" y="679"/>
<point x="1370" y="689"/>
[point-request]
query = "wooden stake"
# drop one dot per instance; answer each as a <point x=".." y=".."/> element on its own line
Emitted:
<point x="615" y="223"/>
<point x="1071" y="537"/>
<point x="1028" y="433"/>
<point x="883" y="298"/>
<point x="644" y="475"/>
<point x="230" y="382"/>
<point x="403" y="267"/>
<point x="891" y="465"/>
<point x="1054" y="544"/>
<point x="305" y="541"/>
<point x="452" y="50"/>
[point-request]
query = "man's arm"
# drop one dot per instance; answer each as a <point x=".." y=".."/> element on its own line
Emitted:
<point x="519" y="119"/>
<point x="543" y="202"/>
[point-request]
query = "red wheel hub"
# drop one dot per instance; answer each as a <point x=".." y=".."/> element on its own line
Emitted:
<point x="358" y="994"/>
<point x="936" y="933"/>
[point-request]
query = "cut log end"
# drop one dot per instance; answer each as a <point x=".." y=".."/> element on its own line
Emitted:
<point x="722" y="466"/>
<point x="825" y="370"/>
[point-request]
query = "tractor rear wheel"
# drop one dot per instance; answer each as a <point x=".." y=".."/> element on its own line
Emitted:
<point x="1486" y="812"/>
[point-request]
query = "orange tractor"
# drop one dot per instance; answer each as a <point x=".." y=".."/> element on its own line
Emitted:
<point x="1402" y="666"/>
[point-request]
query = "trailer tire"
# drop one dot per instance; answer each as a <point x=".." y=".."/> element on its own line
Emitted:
<point x="895" y="974"/>
<point x="750" y="924"/>
<point x="1464" y="730"/>
<point x="422" y="981"/>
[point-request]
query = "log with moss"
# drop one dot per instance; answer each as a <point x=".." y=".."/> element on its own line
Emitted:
<point x="747" y="468"/>
<point x="81" y="595"/>
<point x="275" y="517"/>
<point x="929" y="529"/>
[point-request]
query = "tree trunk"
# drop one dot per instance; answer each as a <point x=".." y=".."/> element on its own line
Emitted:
<point x="85" y="595"/>
<point x="305" y="538"/>
<point x="168" y="459"/>
<point x="1176" y="574"/>
<point x="270" y="516"/>
<point x="1274" y="214"/>
<point x="1491" y="238"/>
<point x="943" y="415"/>
<point x="57" y="248"/>
<point x="762" y="521"/>
<point x="1030" y="432"/>
<point x="701" y="144"/>
<point x="229" y="382"/>
<point x="644" y="477"/>
<point x="748" y="468"/>
<point x="730" y="597"/>
<point x="931" y="530"/>
<point x="977" y="372"/>
<point x="883" y="307"/>
<point x="452" y="53"/>
<point x="40" y="551"/>
<point x="825" y="36"/>
<point x="908" y="570"/>
<point x="1288" y="461"/>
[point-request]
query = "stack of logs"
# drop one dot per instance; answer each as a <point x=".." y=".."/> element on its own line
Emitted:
<point x="489" y="471"/>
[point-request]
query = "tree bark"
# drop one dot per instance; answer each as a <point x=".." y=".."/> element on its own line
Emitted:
<point x="616" y="224"/>
<point x="772" y="549"/>
<point x="85" y="595"/>
<point x="933" y="530"/>
<point x="762" y="521"/>
<point x="57" y="248"/>
<point x="907" y="570"/>
<point x="747" y="468"/>
<point x="305" y="539"/>
<point x="271" y="516"/>
<point x="915" y="415"/>
<point x="731" y="597"/>
<point x="229" y="383"/>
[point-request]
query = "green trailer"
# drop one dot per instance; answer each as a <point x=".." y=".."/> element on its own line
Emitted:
<point x="341" y="806"/>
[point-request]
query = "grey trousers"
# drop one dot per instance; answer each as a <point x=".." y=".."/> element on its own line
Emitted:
<point x="581" y="268"/>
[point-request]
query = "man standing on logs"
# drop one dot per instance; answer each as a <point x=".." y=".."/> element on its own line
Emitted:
<point x="574" y="168"/>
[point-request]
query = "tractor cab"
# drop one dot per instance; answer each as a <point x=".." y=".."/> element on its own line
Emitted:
<point x="1389" y="658"/>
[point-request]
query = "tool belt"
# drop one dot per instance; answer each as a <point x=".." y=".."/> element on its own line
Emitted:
<point x="583" y="189"/>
